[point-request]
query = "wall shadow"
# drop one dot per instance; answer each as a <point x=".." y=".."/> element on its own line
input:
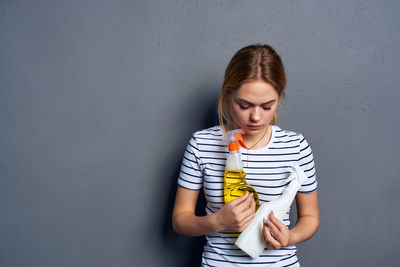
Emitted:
<point x="186" y="250"/>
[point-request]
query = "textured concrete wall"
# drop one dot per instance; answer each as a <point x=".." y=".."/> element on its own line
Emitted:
<point x="99" y="98"/>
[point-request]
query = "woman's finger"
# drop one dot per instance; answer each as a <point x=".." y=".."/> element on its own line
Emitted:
<point x="270" y="241"/>
<point x="267" y="234"/>
<point x="239" y="200"/>
<point x="253" y="205"/>
<point x="246" y="221"/>
<point x="274" y="230"/>
<point x="245" y="204"/>
<point x="276" y="222"/>
<point x="251" y="209"/>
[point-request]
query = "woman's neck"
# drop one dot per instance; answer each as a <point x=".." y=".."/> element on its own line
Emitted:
<point x="258" y="141"/>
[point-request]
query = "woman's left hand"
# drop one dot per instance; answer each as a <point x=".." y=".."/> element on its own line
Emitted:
<point x="276" y="234"/>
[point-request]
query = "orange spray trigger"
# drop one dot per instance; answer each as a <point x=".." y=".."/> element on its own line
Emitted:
<point x="239" y="138"/>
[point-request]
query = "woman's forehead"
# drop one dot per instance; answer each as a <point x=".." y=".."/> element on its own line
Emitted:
<point x="256" y="91"/>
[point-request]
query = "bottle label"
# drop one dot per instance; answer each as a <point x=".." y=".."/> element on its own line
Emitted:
<point x="235" y="186"/>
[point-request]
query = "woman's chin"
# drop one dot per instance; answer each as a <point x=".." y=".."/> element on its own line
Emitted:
<point x="254" y="131"/>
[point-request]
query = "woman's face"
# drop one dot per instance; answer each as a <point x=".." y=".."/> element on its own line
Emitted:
<point x="253" y="107"/>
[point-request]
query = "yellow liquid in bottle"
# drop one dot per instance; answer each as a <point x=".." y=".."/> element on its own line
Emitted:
<point x="235" y="186"/>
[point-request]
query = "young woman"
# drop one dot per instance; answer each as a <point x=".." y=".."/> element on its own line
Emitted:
<point x="253" y="87"/>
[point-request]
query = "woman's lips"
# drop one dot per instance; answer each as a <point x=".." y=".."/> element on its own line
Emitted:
<point x="254" y="127"/>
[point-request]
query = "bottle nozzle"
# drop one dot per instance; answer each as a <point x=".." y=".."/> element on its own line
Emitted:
<point x="234" y="138"/>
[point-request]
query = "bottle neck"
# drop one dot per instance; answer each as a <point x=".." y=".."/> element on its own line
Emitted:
<point x="234" y="160"/>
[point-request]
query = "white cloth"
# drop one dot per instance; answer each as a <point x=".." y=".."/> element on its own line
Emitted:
<point x="251" y="240"/>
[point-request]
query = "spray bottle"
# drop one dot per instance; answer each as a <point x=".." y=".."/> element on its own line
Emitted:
<point x="235" y="184"/>
<point x="251" y="240"/>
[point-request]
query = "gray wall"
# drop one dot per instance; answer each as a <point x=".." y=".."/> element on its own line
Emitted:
<point x="99" y="98"/>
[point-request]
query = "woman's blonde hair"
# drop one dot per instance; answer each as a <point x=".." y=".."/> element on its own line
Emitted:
<point x="253" y="62"/>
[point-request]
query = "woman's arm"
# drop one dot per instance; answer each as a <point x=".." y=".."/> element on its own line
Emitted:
<point x="234" y="216"/>
<point x="277" y="235"/>
<point x="307" y="217"/>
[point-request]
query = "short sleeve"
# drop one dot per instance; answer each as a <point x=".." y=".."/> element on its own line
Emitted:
<point x="191" y="175"/>
<point x="306" y="162"/>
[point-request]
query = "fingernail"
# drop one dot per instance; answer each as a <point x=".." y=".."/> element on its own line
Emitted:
<point x="265" y="221"/>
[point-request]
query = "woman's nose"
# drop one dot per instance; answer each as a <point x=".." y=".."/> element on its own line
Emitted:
<point x="255" y="114"/>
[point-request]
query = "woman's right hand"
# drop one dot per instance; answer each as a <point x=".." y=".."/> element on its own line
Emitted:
<point x="237" y="214"/>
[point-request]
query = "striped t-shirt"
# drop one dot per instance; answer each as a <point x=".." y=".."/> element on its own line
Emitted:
<point x="267" y="169"/>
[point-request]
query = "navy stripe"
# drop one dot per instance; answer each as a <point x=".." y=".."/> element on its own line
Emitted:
<point x="190" y="167"/>
<point x="213" y="129"/>
<point x="214" y="202"/>
<point x="201" y="134"/>
<point x="192" y="175"/>
<point x="218" y="204"/>
<point x="284" y="142"/>
<point x="223" y="254"/>
<point x="232" y="248"/>
<point x="238" y="262"/>
<point x="208" y="144"/>
<point x="266" y="180"/>
<point x="301" y="165"/>
<point x="267" y="186"/>
<point x="189" y="159"/>
<point x="191" y="182"/>
<point x="219" y="164"/>
<point x="214" y="182"/>
<point x="305" y="192"/>
<point x="280" y="167"/>
<point x="266" y="161"/>
<point x="267" y="155"/>
<point x="293" y="135"/>
<point x="309" y="169"/>
<point x="304" y="148"/>
<point x="216" y="170"/>
<point x="214" y="173"/>
<point x="244" y="255"/>
<point x="260" y="173"/>
<point x="308" y="184"/>
<point x="305" y="156"/>
<point x="214" y="189"/>
<point x="214" y="151"/>
<point x="193" y="147"/>
<point x="203" y="138"/>
<point x="214" y="158"/>
<point x="291" y="264"/>
<point x="311" y="176"/>
<point x="269" y="194"/>
<point x="194" y="155"/>
<point x="188" y="188"/>
<point x="284" y="147"/>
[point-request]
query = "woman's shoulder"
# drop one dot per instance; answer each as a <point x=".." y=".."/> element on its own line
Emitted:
<point x="210" y="137"/>
<point x="286" y="134"/>
<point x="214" y="132"/>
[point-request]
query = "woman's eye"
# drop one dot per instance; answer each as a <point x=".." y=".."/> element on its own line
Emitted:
<point x="266" y="108"/>
<point x="243" y="107"/>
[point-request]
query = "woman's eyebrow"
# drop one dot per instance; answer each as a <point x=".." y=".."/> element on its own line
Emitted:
<point x="249" y="103"/>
